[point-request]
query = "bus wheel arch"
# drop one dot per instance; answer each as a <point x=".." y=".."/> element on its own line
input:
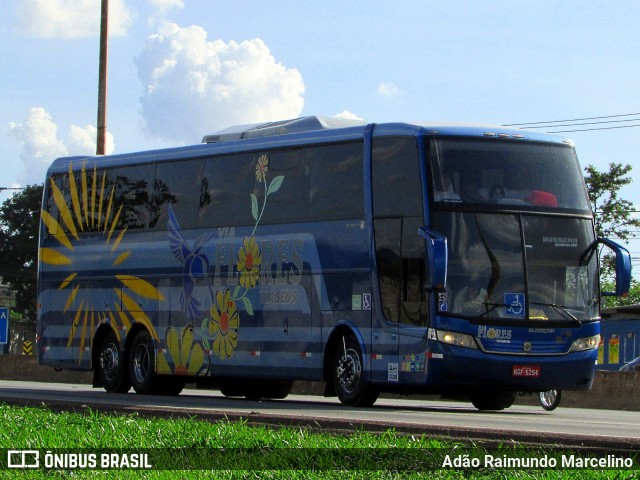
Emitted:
<point x="110" y="361"/>
<point x="345" y="369"/>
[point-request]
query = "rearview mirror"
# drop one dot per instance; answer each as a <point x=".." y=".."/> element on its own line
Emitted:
<point x="437" y="258"/>
<point x="623" y="265"/>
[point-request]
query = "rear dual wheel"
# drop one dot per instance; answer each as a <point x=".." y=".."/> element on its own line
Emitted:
<point x="118" y="372"/>
<point x="112" y="365"/>
<point x="142" y="363"/>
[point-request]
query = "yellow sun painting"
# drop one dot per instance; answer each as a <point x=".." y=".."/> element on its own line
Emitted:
<point x="91" y="208"/>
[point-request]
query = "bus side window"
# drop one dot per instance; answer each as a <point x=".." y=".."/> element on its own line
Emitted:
<point x="222" y="200"/>
<point x="175" y="184"/>
<point x="51" y="207"/>
<point x="336" y="186"/>
<point x="132" y="191"/>
<point x="413" y="295"/>
<point x="398" y="214"/>
<point x="290" y="204"/>
<point x="387" y="232"/>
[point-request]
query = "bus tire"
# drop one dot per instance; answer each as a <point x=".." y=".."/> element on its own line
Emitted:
<point x="112" y="365"/>
<point x="347" y="373"/>
<point x="268" y="389"/>
<point x="493" y="400"/>
<point x="278" y="389"/>
<point x="255" y="389"/>
<point x="142" y="362"/>
<point x="169" y="385"/>
<point x="550" y="399"/>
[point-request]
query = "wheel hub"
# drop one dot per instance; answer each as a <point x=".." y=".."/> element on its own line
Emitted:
<point x="141" y="363"/>
<point x="349" y="371"/>
<point x="109" y="361"/>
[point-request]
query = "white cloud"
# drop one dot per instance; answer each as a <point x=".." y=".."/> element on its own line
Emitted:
<point x="70" y="18"/>
<point x="346" y="114"/>
<point x="195" y="86"/>
<point x="163" y="6"/>
<point x="41" y="145"/>
<point x="388" y="89"/>
<point x="39" y="135"/>
<point x="83" y="140"/>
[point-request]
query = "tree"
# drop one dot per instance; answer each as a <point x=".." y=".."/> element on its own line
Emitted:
<point x="612" y="215"/>
<point x="613" y="218"/>
<point x="19" y="227"/>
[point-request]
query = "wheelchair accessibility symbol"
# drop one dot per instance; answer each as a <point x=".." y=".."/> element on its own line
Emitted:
<point x="514" y="304"/>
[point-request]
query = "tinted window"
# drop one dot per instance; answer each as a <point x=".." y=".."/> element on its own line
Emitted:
<point x="320" y="183"/>
<point x="336" y="182"/>
<point x="290" y="203"/>
<point x="224" y="196"/>
<point x="92" y="200"/>
<point x="396" y="178"/>
<point x="514" y="266"/>
<point x="131" y="195"/>
<point x="506" y="173"/>
<point x="177" y="184"/>
<point x="398" y="214"/>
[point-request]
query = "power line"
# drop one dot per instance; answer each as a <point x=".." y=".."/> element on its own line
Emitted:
<point x="572" y="119"/>
<point x="592" y="129"/>
<point x="582" y="122"/>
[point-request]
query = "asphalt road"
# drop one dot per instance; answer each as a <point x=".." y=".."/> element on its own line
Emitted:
<point x="607" y="429"/>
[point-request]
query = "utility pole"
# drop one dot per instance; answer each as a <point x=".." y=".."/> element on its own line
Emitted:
<point x="102" y="79"/>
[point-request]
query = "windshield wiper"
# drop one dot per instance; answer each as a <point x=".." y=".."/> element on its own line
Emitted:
<point x="557" y="308"/>
<point x="561" y="310"/>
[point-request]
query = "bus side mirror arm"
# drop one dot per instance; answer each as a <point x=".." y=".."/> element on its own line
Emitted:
<point x="437" y="258"/>
<point x="623" y="265"/>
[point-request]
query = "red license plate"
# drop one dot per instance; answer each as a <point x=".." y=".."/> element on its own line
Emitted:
<point x="526" y="370"/>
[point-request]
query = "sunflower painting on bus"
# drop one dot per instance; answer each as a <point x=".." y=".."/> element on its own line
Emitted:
<point x="185" y="354"/>
<point x="223" y="323"/>
<point x="91" y="208"/>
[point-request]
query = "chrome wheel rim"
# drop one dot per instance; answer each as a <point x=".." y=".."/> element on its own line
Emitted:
<point x="110" y="361"/>
<point x="141" y="363"/>
<point x="349" y="371"/>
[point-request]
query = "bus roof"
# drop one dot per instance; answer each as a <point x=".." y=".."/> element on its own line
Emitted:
<point x="282" y="127"/>
<point x="300" y="131"/>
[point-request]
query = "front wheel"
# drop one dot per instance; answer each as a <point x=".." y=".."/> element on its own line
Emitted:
<point x="348" y="375"/>
<point x="142" y="362"/>
<point x="550" y="399"/>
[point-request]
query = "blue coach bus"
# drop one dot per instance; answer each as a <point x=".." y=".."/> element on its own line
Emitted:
<point x="395" y="257"/>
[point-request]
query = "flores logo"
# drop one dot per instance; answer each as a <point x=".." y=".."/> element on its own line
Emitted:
<point x="499" y="334"/>
<point x="527" y="346"/>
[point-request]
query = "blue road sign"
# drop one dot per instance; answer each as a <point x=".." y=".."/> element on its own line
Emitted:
<point x="4" y="325"/>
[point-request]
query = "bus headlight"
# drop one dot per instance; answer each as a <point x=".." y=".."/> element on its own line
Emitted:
<point x="456" y="338"/>
<point x="586" y="343"/>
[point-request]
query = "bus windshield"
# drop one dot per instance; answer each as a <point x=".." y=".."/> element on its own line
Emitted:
<point x="503" y="173"/>
<point x="516" y="217"/>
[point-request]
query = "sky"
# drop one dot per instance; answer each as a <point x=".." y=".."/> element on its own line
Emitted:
<point x="180" y="69"/>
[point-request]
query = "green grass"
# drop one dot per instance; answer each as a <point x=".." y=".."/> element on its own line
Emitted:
<point x="198" y="449"/>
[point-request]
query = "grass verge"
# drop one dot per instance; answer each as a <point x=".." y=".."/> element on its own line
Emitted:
<point x="182" y="448"/>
